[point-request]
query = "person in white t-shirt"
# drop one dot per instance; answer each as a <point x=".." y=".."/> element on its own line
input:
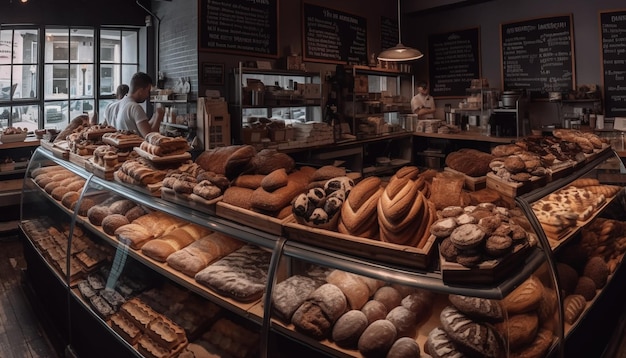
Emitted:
<point x="110" y="112"/>
<point x="130" y="113"/>
<point x="423" y="104"/>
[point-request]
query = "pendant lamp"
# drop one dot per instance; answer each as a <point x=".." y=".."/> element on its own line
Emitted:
<point x="400" y="52"/>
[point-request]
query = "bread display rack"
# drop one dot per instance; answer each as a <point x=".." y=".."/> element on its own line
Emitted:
<point x="77" y="321"/>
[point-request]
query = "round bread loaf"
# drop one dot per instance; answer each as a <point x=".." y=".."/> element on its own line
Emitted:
<point x="586" y="288"/>
<point x="568" y="277"/>
<point x="355" y="290"/>
<point x="525" y="297"/>
<point x="374" y="310"/>
<point x="538" y="347"/>
<point x="448" y="250"/>
<point x="58" y="192"/>
<point x="85" y="205"/>
<point x="443" y="227"/>
<point x="311" y="320"/>
<point x="478" y="308"/>
<point x="121" y="206"/>
<point x="112" y="222"/>
<point x="51" y="186"/>
<point x="331" y="300"/>
<point x="451" y="211"/>
<point x="597" y="270"/>
<point x="70" y="198"/>
<point x="479" y="339"/>
<point x="377" y="339"/>
<point x="348" y="328"/>
<point x="404" y="320"/>
<point x="404" y="347"/>
<point x="419" y="302"/>
<point x="388" y="296"/>
<point x="498" y="246"/>
<point x="275" y="180"/>
<point x="97" y="213"/>
<point x="519" y="329"/>
<point x="135" y="212"/>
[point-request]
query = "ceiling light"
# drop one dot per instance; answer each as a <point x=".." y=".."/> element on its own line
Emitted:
<point x="400" y="52"/>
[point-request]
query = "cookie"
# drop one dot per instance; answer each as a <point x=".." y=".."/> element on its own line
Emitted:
<point x="490" y="223"/>
<point x="448" y="250"/>
<point x="476" y="307"/>
<point x="498" y="246"/>
<point x="451" y="211"/>
<point x="467" y="236"/>
<point x="469" y="258"/>
<point x="443" y="227"/>
<point x="466" y="219"/>
<point x="478" y="339"/>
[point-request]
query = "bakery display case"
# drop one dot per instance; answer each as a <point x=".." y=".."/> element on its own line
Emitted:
<point x="151" y="277"/>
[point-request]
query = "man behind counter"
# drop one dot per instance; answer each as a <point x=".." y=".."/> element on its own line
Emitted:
<point x="422" y="103"/>
<point x="131" y="115"/>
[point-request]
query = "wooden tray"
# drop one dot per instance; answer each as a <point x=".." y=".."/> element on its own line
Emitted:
<point x="252" y="219"/>
<point x="513" y="189"/>
<point x="471" y="183"/>
<point x="488" y="272"/>
<point x="80" y="160"/>
<point x="62" y="153"/>
<point x="191" y="201"/>
<point x="138" y="188"/>
<point x="100" y="172"/>
<point x="123" y="143"/>
<point x="167" y="159"/>
<point x="363" y="247"/>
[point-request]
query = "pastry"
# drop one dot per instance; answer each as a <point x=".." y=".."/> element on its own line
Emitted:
<point x="498" y="246"/>
<point x="125" y="328"/>
<point x="573" y="306"/>
<point x="348" y="328"/>
<point x="448" y="250"/>
<point x="443" y="227"/>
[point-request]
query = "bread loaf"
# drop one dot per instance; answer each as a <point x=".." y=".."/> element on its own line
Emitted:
<point x="404" y="347"/>
<point x="163" y="246"/>
<point x="359" y="215"/>
<point x="250" y="181"/>
<point x="355" y="289"/>
<point x="199" y="254"/>
<point x="268" y="160"/>
<point x="289" y="294"/>
<point x="229" y="161"/>
<point x="275" y="180"/>
<point x="525" y="297"/>
<point x="237" y="196"/>
<point x="377" y="339"/>
<point x="133" y="235"/>
<point x="471" y="162"/>
<point x="573" y="306"/>
<point x="316" y="316"/>
<point x="348" y="328"/>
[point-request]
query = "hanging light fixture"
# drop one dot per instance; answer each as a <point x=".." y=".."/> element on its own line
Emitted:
<point x="400" y="52"/>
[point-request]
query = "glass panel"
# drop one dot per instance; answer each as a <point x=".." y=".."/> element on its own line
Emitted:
<point x="57" y="45"/>
<point x="26" y="117"/>
<point x="83" y="42"/>
<point x="24" y="81"/>
<point x="5" y="47"/>
<point x="5" y="83"/>
<point x="102" y="105"/>
<point x="83" y="86"/>
<point x="5" y="113"/>
<point x="110" y="46"/>
<point x="79" y="107"/>
<point x="127" y="73"/>
<point x="26" y="45"/>
<point x="55" y="114"/>
<point x="109" y="79"/>
<point x="56" y="84"/>
<point x="129" y="46"/>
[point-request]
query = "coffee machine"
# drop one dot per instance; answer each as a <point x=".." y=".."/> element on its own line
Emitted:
<point x="510" y="119"/>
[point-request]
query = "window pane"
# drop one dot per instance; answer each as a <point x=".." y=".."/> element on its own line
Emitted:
<point x="129" y="47"/>
<point x="82" y="41"/>
<point x="5" y="83"/>
<point x="79" y="107"/>
<point x="5" y="46"/>
<point x="56" y="82"/>
<point x="24" y="81"/>
<point x="5" y="113"/>
<point x="127" y="73"/>
<point x="55" y="114"/>
<point x="26" y="117"/>
<point x="110" y="46"/>
<point x="81" y="80"/>
<point x="26" y="52"/>
<point x="109" y="79"/>
<point x="57" y="45"/>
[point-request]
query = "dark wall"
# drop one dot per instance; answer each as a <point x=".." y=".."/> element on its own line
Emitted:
<point x="73" y="12"/>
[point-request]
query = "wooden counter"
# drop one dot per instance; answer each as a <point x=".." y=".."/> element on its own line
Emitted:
<point x="28" y="142"/>
<point x="470" y="135"/>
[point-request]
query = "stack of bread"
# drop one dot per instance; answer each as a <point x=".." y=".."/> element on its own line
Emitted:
<point x="122" y="139"/>
<point x="142" y="173"/>
<point x="474" y="234"/>
<point x="84" y="139"/>
<point x="587" y="141"/>
<point x="355" y="312"/>
<point x="404" y="212"/>
<point x="606" y="238"/>
<point x="60" y="183"/>
<point x="114" y="212"/>
<point x="159" y="145"/>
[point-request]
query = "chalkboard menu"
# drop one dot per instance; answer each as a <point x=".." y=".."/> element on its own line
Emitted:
<point x="537" y="56"/>
<point x="613" y="27"/>
<point x="333" y="36"/>
<point x="240" y="26"/>
<point x="388" y="32"/>
<point x="453" y="61"/>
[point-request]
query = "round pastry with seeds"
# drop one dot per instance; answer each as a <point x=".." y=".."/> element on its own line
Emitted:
<point x="467" y="236"/>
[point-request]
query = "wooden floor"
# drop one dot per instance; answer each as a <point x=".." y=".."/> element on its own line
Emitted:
<point x="22" y="336"/>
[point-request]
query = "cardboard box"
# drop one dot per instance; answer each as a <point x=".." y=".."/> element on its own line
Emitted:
<point x="213" y="121"/>
<point x="253" y="135"/>
<point x="278" y="135"/>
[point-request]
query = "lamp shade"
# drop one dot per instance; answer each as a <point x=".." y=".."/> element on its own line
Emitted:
<point x="400" y="53"/>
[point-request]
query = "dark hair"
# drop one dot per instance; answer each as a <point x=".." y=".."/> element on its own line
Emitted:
<point x="140" y="80"/>
<point x="422" y="84"/>
<point x="121" y="91"/>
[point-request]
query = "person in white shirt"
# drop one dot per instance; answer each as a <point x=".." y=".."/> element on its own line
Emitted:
<point x="131" y="115"/>
<point x="110" y="112"/>
<point x="423" y="104"/>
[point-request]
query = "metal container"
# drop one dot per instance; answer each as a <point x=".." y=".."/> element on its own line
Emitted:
<point x="509" y="99"/>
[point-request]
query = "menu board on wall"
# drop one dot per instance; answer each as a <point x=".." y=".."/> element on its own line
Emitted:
<point x="453" y="61"/>
<point x="239" y="26"/>
<point x="388" y="32"/>
<point x="333" y="36"/>
<point x="613" y="32"/>
<point x="538" y="55"/>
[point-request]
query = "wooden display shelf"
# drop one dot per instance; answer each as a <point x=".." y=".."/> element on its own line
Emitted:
<point x="28" y="142"/>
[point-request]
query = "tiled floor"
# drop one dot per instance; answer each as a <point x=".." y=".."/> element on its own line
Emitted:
<point x="22" y="336"/>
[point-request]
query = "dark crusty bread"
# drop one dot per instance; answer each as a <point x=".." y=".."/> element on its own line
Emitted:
<point x="268" y="160"/>
<point x="469" y="161"/>
<point x="229" y="161"/>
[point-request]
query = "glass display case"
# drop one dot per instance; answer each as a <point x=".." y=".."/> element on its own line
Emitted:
<point x="99" y="256"/>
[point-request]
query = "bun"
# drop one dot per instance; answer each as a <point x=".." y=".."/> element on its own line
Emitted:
<point x="404" y="347"/>
<point x="377" y="339"/>
<point x="112" y="222"/>
<point x="348" y="329"/>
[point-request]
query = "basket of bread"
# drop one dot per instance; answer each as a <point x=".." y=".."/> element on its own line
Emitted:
<point x="13" y="134"/>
